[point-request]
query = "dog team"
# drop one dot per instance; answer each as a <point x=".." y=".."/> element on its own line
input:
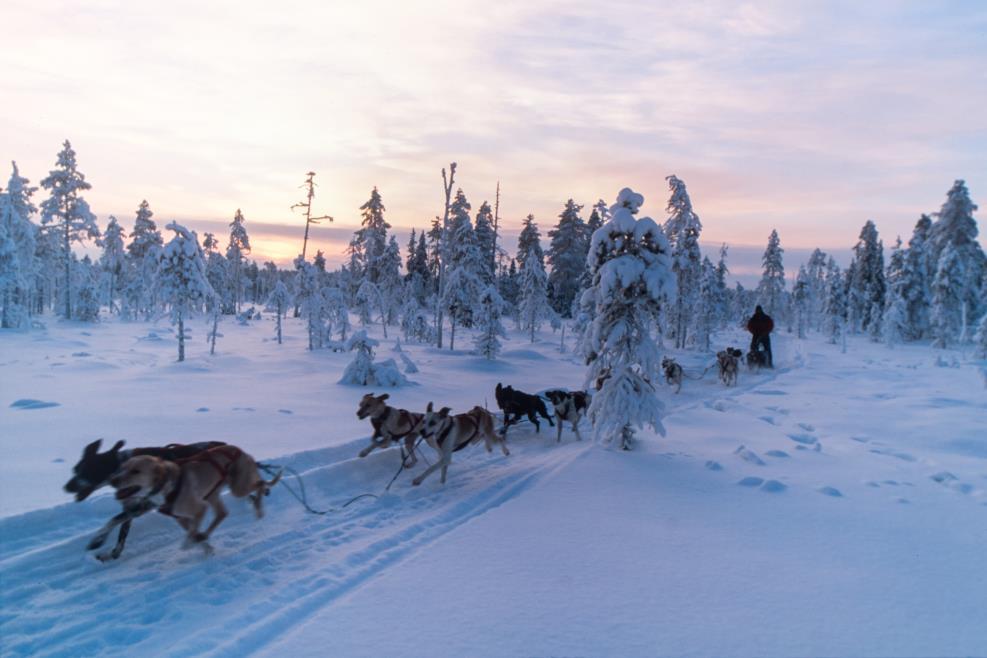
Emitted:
<point x="186" y="481"/>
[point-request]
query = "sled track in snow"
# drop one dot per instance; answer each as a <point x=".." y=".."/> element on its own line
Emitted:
<point x="266" y="577"/>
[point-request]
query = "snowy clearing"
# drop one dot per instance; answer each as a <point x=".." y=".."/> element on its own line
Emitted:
<point x="837" y="505"/>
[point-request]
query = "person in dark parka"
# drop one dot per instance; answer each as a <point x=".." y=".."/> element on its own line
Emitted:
<point x="761" y="325"/>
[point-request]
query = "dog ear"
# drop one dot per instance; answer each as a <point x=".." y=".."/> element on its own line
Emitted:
<point x="429" y="408"/>
<point x="92" y="448"/>
<point x="116" y="446"/>
<point x="444" y="411"/>
<point x="383" y="397"/>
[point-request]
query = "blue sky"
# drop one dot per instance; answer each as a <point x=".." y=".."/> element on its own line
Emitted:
<point x="808" y="117"/>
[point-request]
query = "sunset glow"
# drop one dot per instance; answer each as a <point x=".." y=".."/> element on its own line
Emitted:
<point x="806" y="117"/>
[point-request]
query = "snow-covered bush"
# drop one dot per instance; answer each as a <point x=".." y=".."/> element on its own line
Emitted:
<point x="362" y="371"/>
<point x="631" y="267"/>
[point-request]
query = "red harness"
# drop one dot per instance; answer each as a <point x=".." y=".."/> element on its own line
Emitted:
<point x="230" y="453"/>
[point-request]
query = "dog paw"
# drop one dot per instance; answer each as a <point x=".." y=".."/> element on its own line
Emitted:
<point x="416" y="482"/>
<point x="199" y="537"/>
<point x="95" y="543"/>
<point x="106" y="557"/>
<point x="208" y="549"/>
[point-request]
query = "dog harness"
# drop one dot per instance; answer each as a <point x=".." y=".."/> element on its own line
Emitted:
<point x="404" y="416"/>
<point x="231" y="453"/>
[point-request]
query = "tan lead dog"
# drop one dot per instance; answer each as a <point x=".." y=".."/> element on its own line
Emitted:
<point x="186" y="489"/>
<point x="390" y="425"/>
<point x="447" y="434"/>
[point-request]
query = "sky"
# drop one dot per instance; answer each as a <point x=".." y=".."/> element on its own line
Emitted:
<point x="807" y="117"/>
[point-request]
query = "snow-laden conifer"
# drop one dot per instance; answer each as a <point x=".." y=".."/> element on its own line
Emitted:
<point x="632" y="273"/>
<point x="866" y="285"/>
<point x="18" y="265"/>
<point x="236" y="251"/>
<point x="66" y="213"/>
<point x="947" y="302"/>
<point x="279" y="300"/>
<point x="771" y="289"/>
<point x="113" y="261"/>
<point x="567" y="256"/>
<point x="682" y="229"/>
<point x="181" y="279"/>
<point x="534" y="308"/>
<point x="362" y="371"/>
<point x="489" y="330"/>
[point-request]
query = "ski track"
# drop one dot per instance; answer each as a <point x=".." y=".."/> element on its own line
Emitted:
<point x="265" y="577"/>
<point x="269" y="576"/>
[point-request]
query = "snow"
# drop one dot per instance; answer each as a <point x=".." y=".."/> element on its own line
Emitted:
<point x="834" y="506"/>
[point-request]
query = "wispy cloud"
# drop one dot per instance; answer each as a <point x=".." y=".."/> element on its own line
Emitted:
<point x="809" y="117"/>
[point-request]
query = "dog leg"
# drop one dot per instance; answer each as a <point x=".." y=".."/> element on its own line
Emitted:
<point x="124" y="518"/>
<point x="442" y="462"/>
<point x="575" y="428"/>
<point x="219" y="513"/>
<point x="558" y="428"/>
<point x="534" y="419"/>
<point x="409" y="444"/>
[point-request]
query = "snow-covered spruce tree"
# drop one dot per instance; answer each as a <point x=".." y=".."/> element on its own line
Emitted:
<point x="236" y="250"/>
<point x="280" y="301"/>
<point x="419" y="277"/>
<point x="801" y="299"/>
<point x="980" y="339"/>
<point x="181" y="279"/>
<point x="489" y="328"/>
<point x="947" y="301"/>
<point x="143" y="254"/>
<point x="919" y="272"/>
<point x="415" y="324"/>
<point x="534" y="308"/>
<point x="866" y="285"/>
<point x="835" y="309"/>
<point x="366" y="302"/>
<point x="530" y="238"/>
<point x="567" y="256"/>
<point x="86" y="290"/>
<point x="335" y="311"/>
<point x="632" y="272"/>
<point x="771" y="289"/>
<point x="722" y="290"/>
<point x="894" y="322"/>
<point x="308" y="296"/>
<point x="371" y="239"/>
<point x="390" y="284"/>
<point x="816" y="277"/>
<point x="464" y="266"/>
<point x="219" y="274"/>
<point x="66" y="213"/>
<point x="18" y="265"/>
<point x="113" y="261"/>
<point x="486" y="242"/>
<point x="708" y="310"/>
<point x="956" y="226"/>
<point x="682" y="230"/>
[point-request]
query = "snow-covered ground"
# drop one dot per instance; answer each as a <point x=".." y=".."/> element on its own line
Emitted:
<point x="835" y="506"/>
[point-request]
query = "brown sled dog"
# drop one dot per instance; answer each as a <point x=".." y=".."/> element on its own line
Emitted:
<point x="447" y="434"/>
<point x="390" y="425"/>
<point x="191" y="486"/>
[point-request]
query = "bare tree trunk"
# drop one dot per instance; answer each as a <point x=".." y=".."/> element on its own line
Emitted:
<point x="68" y="268"/>
<point x="215" y="328"/>
<point x="181" y="339"/>
<point x="447" y="187"/>
<point x="452" y="335"/>
<point x="280" y="310"/>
